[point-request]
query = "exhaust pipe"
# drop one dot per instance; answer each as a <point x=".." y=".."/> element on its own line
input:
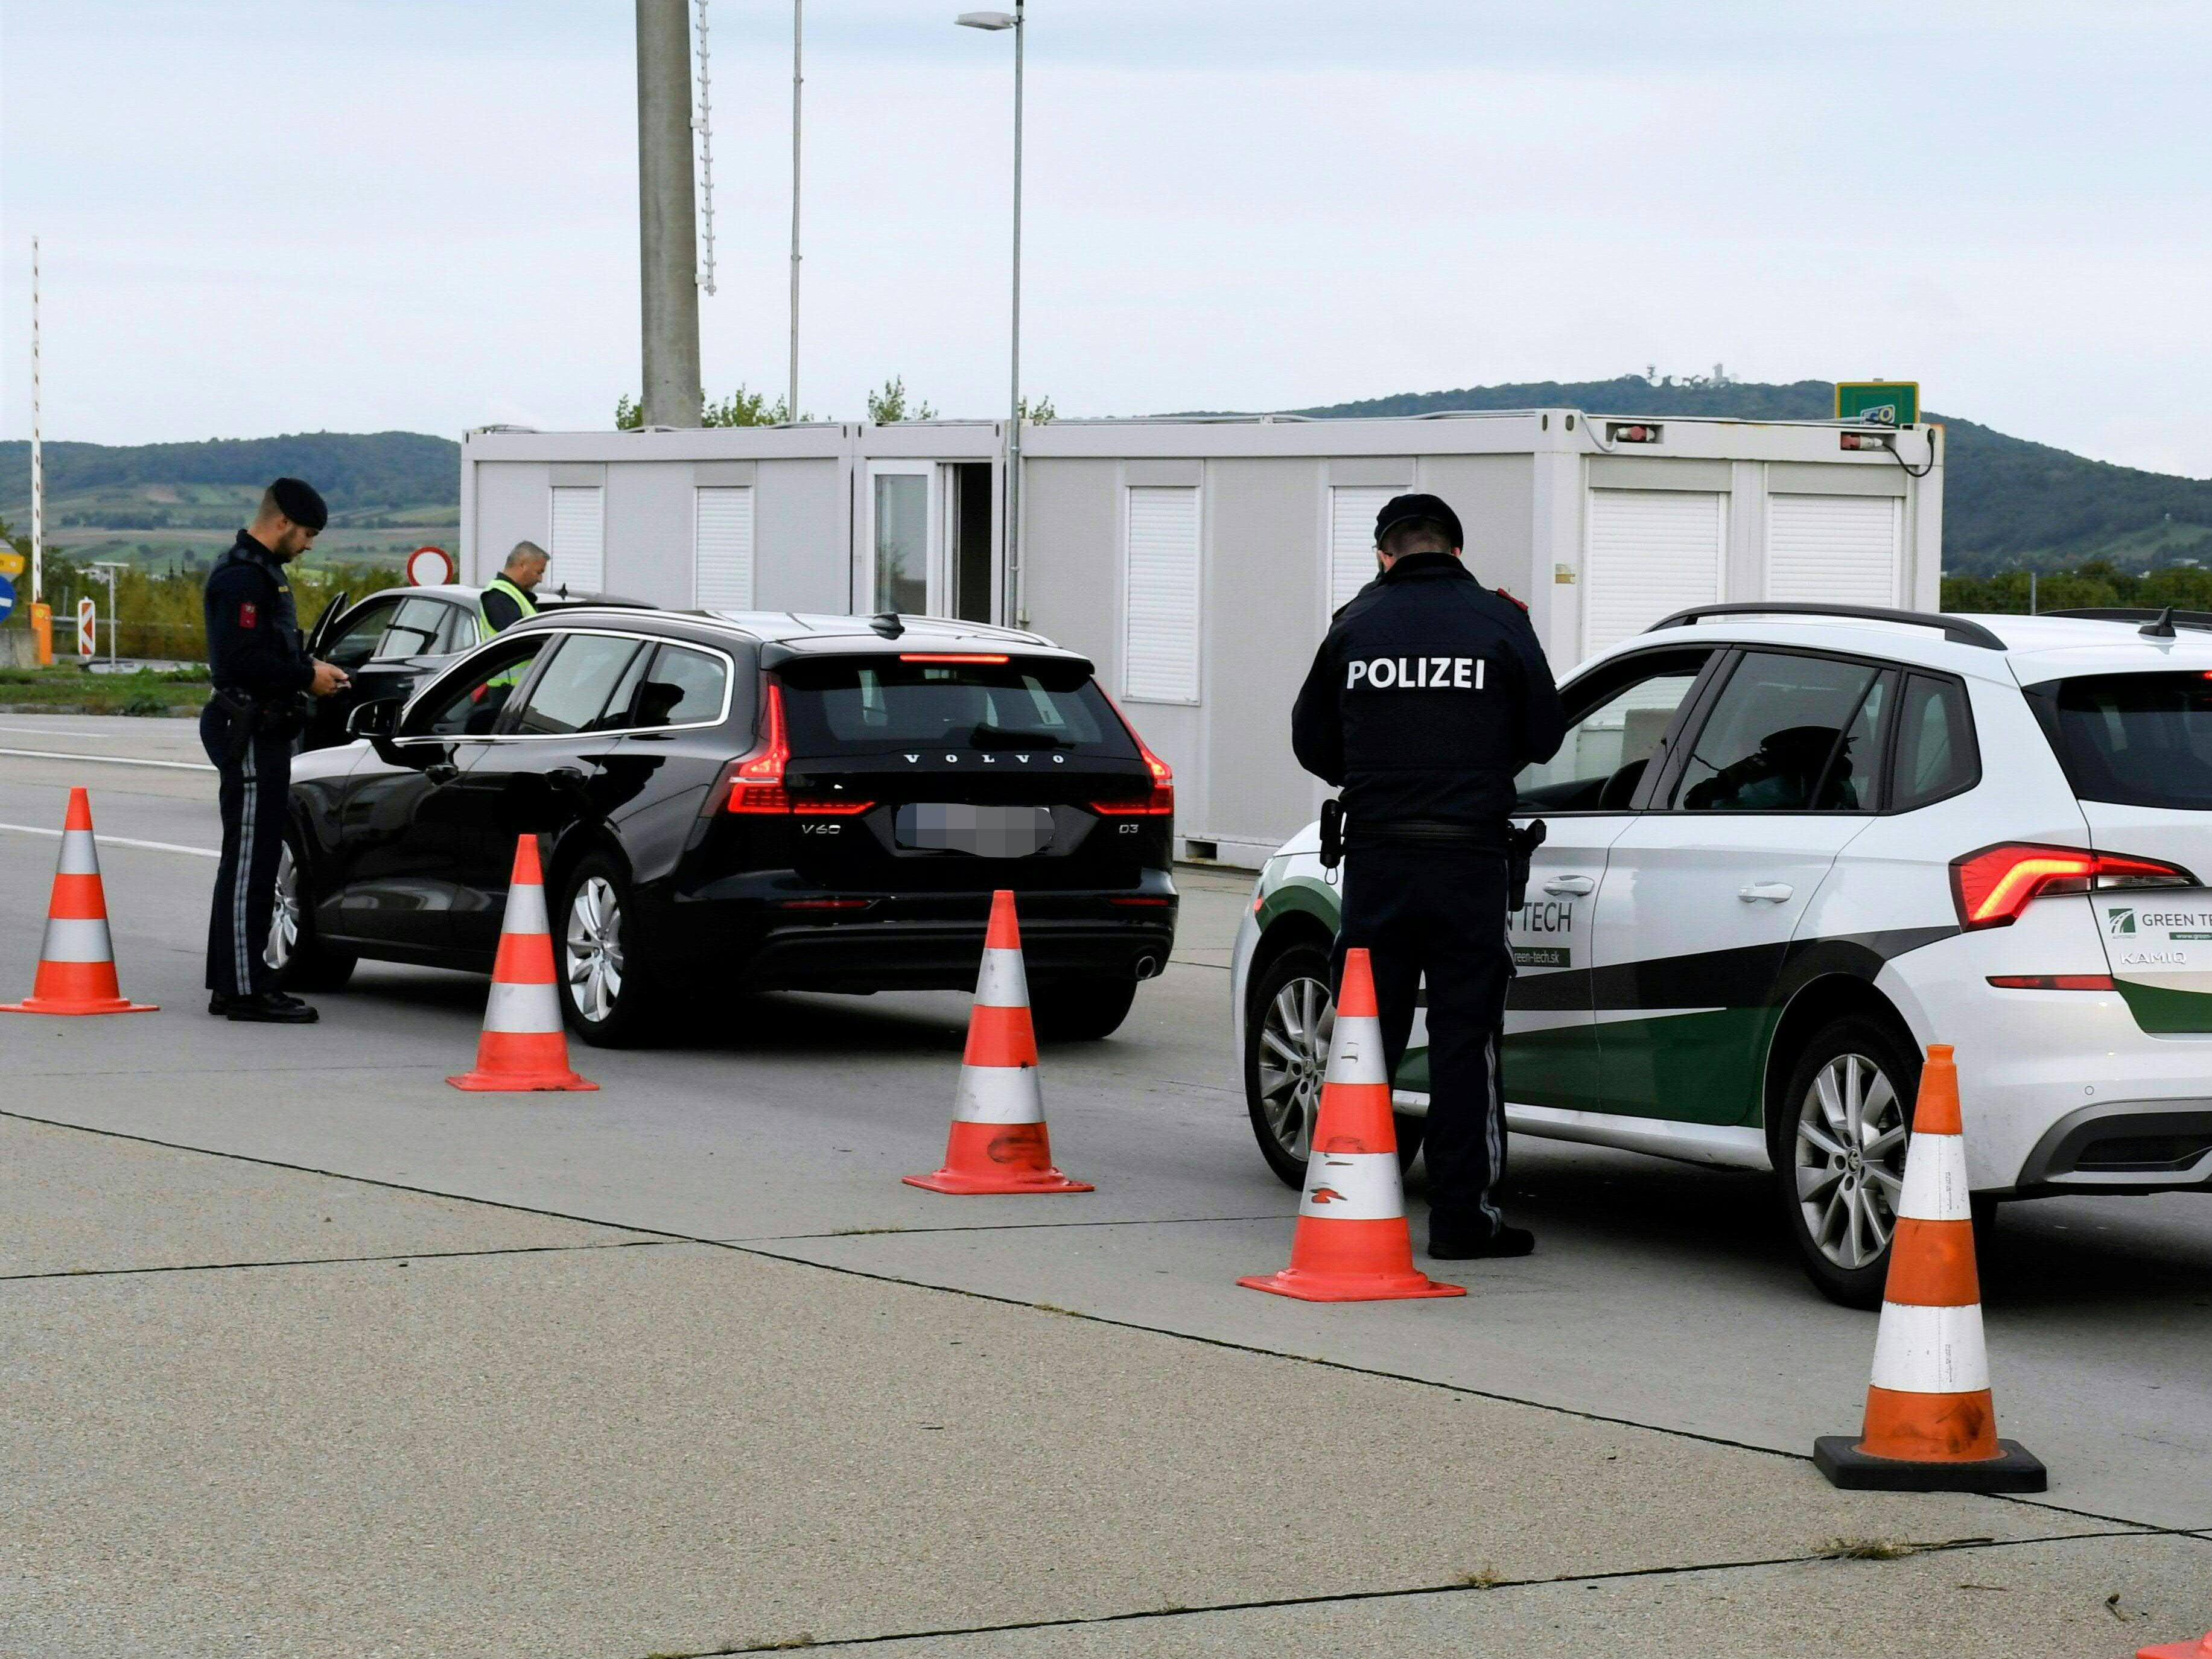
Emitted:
<point x="1147" y="967"/>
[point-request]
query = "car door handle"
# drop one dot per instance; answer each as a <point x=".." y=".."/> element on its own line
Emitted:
<point x="568" y="777"/>
<point x="1562" y="886"/>
<point x="1770" y="892"/>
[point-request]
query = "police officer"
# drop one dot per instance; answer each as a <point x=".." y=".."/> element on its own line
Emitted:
<point x="1430" y="693"/>
<point x="261" y="671"/>
<point x="511" y="595"/>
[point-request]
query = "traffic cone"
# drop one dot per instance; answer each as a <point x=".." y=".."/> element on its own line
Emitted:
<point x="76" y="963"/>
<point x="2197" y="1649"/>
<point x="523" y="1046"/>
<point x="1930" y="1426"/>
<point x="1351" y="1244"/>
<point x="999" y="1143"/>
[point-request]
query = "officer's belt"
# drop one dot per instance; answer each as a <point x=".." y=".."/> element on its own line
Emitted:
<point x="1437" y="831"/>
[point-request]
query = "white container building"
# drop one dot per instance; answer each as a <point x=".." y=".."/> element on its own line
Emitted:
<point x="1196" y="562"/>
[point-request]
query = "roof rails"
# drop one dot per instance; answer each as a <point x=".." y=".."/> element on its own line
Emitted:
<point x="1957" y="629"/>
<point x="2154" y="615"/>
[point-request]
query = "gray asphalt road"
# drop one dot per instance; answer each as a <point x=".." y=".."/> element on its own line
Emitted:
<point x="1662" y="1305"/>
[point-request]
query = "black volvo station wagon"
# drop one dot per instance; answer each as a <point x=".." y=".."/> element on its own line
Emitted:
<point x="747" y="802"/>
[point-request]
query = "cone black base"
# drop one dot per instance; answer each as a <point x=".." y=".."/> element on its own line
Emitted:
<point x="2014" y="1468"/>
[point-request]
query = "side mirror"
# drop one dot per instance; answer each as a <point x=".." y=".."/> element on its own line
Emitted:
<point x="374" y="720"/>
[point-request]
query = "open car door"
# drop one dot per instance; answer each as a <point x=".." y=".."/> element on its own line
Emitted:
<point x="320" y="633"/>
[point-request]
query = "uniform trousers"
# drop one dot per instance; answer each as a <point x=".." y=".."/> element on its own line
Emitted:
<point x="254" y="795"/>
<point x="1438" y="907"/>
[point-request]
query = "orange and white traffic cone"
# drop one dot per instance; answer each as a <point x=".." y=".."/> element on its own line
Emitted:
<point x="1930" y="1426"/>
<point x="524" y="1046"/>
<point x="999" y="1143"/>
<point x="2197" y="1649"/>
<point x="1352" y="1244"/>
<point x="76" y="963"/>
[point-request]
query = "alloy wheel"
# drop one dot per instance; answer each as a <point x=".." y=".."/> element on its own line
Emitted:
<point x="594" y="948"/>
<point x="284" y="917"/>
<point x="1849" y="1155"/>
<point x="1294" y="1036"/>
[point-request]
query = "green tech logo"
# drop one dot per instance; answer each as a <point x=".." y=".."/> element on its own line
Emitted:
<point x="2120" y="923"/>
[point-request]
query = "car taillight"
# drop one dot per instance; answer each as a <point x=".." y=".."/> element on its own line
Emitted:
<point x="755" y="782"/>
<point x="1991" y="887"/>
<point x="1159" y="801"/>
<point x="2052" y="981"/>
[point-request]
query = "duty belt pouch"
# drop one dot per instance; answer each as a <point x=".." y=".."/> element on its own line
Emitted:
<point x="1521" y="847"/>
<point x="242" y="712"/>
<point x="1331" y="833"/>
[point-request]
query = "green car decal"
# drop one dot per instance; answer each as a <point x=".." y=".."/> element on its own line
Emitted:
<point x="1683" y="1038"/>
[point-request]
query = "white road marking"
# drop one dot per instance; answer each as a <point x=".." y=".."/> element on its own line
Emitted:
<point x="107" y="760"/>
<point x="119" y="840"/>
<point x="66" y="731"/>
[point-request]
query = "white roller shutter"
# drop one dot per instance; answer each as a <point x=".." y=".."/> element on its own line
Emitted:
<point x="1652" y="552"/>
<point x="578" y="550"/>
<point x="1353" y="511"/>
<point x="1834" y="550"/>
<point x="722" y="548"/>
<point x="1160" y="594"/>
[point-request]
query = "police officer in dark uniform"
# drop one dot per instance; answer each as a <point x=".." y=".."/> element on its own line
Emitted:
<point x="262" y="674"/>
<point x="1430" y="693"/>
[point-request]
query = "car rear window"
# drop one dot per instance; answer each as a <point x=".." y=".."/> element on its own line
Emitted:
<point x="851" y="705"/>
<point x="2140" y="739"/>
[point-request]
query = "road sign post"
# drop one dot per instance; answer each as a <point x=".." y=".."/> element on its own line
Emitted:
<point x="87" y="628"/>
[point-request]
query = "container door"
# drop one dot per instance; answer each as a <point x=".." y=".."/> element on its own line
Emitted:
<point x="906" y="544"/>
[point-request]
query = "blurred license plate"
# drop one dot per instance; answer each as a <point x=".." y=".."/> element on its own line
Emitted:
<point x="990" y="832"/>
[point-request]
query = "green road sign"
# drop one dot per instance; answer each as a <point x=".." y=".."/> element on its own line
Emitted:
<point x="1879" y="402"/>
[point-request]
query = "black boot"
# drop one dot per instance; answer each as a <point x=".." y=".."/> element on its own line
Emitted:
<point x="271" y="1008"/>
<point x="1505" y="1242"/>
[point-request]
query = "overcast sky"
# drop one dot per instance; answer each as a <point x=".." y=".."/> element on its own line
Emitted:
<point x="265" y="216"/>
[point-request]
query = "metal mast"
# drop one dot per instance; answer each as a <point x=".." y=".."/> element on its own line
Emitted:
<point x="1014" y="433"/>
<point x="703" y="124"/>
<point x="37" y="453"/>
<point x="798" y="81"/>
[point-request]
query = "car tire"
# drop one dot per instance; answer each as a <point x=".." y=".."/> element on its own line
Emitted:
<point x="607" y="996"/>
<point x="1837" y="1133"/>
<point x="1081" y="1010"/>
<point x="294" y="949"/>
<point x="1285" y="1055"/>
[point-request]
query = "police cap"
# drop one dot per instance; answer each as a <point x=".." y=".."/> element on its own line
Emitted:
<point x="1410" y="509"/>
<point x="298" y="500"/>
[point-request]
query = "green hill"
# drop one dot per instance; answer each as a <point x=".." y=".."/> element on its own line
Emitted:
<point x="160" y="505"/>
<point x="2006" y="502"/>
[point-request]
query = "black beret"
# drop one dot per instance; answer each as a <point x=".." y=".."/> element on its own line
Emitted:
<point x="297" y="501"/>
<point x="1412" y="509"/>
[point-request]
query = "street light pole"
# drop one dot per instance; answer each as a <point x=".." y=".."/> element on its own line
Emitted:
<point x="798" y="81"/>
<point x="38" y="453"/>
<point x="1018" y="598"/>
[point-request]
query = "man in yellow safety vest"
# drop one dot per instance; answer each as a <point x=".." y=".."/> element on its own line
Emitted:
<point x="507" y="599"/>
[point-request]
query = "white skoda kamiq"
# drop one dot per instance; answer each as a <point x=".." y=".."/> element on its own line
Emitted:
<point x="1789" y="847"/>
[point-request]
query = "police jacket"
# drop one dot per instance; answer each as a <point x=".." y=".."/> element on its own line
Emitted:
<point x="1430" y="693"/>
<point x="252" y="629"/>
